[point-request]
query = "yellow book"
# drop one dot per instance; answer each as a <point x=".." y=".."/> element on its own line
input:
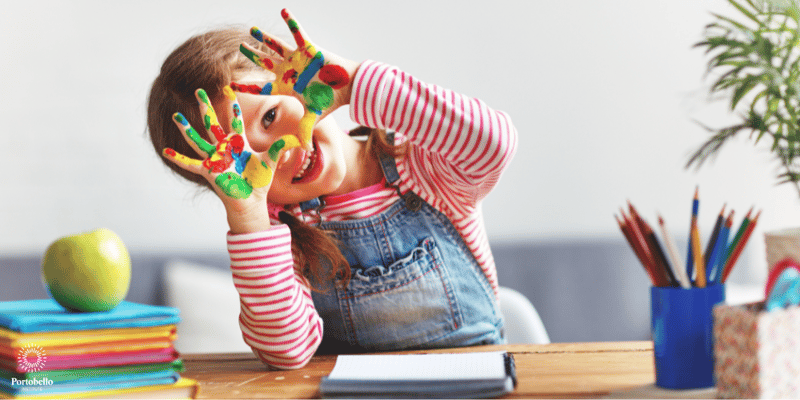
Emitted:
<point x="11" y="339"/>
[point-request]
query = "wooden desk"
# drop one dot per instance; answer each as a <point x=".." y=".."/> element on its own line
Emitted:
<point x="572" y="370"/>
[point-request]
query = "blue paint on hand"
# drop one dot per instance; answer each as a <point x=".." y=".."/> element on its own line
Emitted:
<point x="311" y="70"/>
<point x="241" y="160"/>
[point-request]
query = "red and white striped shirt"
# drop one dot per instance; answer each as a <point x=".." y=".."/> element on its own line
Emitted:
<point x="459" y="148"/>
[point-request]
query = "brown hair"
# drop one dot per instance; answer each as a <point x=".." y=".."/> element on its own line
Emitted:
<point x="210" y="61"/>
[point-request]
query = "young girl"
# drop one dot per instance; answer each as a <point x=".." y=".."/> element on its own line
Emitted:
<point x="336" y="243"/>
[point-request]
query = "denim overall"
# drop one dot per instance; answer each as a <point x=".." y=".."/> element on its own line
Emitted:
<point x="414" y="283"/>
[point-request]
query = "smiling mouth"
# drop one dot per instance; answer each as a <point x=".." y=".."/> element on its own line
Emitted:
<point x="311" y="166"/>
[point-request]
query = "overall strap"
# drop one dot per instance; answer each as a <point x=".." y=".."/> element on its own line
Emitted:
<point x="389" y="167"/>
<point x="313" y="204"/>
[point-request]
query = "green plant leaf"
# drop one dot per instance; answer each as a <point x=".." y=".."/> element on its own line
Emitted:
<point x="746" y="12"/>
<point x="755" y="55"/>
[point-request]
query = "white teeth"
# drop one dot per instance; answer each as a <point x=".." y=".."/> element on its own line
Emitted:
<point x="306" y="164"/>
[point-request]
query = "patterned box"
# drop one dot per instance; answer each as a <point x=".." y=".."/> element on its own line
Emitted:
<point x="757" y="353"/>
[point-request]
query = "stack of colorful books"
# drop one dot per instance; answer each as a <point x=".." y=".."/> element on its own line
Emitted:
<point x="47" y="351"/>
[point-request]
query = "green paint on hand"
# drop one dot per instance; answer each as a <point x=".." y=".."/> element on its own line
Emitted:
<point x="237" y="126"/>
<point x="207" y="121"/>
<point x="180" y="119"/>
<point x="318" y="96"/>
<point x="233" y="185"/>
<point x="275" y="150"/>
<point x="251" y="56"/>
<point x="206" y="147"/>
<point x="204" y="97"/>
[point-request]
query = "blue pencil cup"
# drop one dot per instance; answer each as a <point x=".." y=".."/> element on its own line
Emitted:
<point x="683" y="342"/>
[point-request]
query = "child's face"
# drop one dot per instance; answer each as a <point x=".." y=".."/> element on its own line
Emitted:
<point x="300" y="175"/>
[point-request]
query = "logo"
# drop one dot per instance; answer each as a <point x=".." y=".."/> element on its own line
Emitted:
<point x="31" y="358"/>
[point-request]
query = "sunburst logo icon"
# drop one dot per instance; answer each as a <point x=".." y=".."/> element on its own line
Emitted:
<point x="31" y="358"/>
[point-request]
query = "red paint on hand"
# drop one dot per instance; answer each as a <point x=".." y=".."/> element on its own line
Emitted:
<point x="252" y="89"/>
<point x="274" y="46"/>
<point x="218" y="132"/>
<point x="237" y="144"/>
<point x="290" y="75"/>
<point x="219" y="165"/>
<point x="334" y="76"/>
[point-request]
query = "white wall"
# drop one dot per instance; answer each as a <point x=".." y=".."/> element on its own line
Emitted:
<point x="603" y="94"/>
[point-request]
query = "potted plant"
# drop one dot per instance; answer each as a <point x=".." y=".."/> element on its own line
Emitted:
<point x="755" y="64"/>
<point x="755" y="60"/>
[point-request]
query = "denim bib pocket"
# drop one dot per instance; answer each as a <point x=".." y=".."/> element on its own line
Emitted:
<point x="405" y="304"/>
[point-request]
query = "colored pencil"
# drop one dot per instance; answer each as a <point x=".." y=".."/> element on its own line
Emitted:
<point x="635" y="246"/>
<point x="712" y="240"/>
<point x="672" y="252"/>
<point x="636" y="225"/>
<point x="658" y="256"/>
<point x="699" y="265"/>
<point x="690" y="252"/>
<point x="737" y="237"/>
<point x="715" y="262"/>
<point x="641" y="244"/>
<point x="739" y="247"/>
<point x="644" y="248"/>
<point x="656" y="263"/>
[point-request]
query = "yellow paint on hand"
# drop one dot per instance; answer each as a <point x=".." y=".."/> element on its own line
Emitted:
<point x="180" y="158"/>
<point x="307" y="127"/>
<point x="257" y="173"/>
<point x="228" y="92"/>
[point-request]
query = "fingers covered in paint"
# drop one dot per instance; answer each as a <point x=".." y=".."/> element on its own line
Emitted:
<point x="258" y="57"/>
<point x="273" y="43"/>
<point x="299" y="34"/>
<point x="210" y="120"/>
<point x="200" y="145"/>
<point x="304" y="73"/>
<point x="218" y="158"/>
<point x="190" y="164"/>
<point x="230" y="162"/>
<point x="259" y="173"/>
<point x="237" y="123"/>
<point x="283" y="143"/>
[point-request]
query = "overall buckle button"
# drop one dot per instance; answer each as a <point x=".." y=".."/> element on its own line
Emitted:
<point x="413" y="202"/>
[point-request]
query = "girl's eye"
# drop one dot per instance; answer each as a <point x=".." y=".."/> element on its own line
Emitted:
<point x="268" y="117"/>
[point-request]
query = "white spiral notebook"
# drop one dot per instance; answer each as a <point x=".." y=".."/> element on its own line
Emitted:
<point x="451" y="375"/>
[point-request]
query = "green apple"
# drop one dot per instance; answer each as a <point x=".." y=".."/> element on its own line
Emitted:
<point x="87" y="272"/>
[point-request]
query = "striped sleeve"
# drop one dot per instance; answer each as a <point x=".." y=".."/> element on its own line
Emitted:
<point x="461" y="146"/>
<point x="277" y="318"/>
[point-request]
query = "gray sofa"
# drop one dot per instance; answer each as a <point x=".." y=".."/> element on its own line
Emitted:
<point x="584" y="290"/>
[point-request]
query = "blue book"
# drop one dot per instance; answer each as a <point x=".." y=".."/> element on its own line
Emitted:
<point x="44" y="386"/>
<point x="46" y="315"/>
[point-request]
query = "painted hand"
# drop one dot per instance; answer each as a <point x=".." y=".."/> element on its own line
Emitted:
<point x="231" y="164"/>
<point x="305" y="73"/>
